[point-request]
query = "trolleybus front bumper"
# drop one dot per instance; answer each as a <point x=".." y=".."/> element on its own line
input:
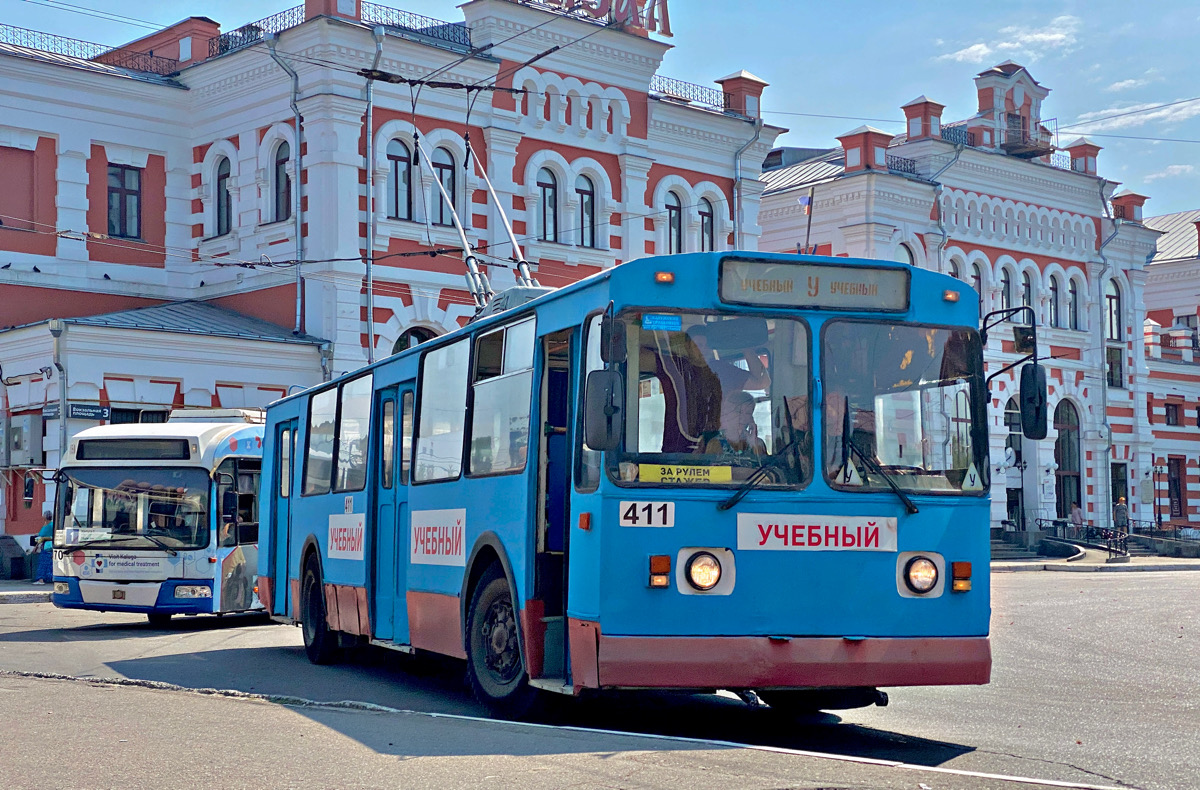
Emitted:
<point x="757" y="662"/>
<point x="149" y="596"/>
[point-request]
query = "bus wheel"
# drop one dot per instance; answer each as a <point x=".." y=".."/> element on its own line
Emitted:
<point x="493" y="652"/>
<point x="320" y="643"/>
<point x="159" y="619"/>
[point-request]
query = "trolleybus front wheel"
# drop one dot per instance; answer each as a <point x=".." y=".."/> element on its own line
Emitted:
<point x="159" y="619"/>
<point x="320" y="643"/>
<point x="493" y="652"/>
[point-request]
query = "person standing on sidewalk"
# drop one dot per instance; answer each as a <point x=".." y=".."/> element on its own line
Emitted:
<point x="1077" y="519"/>
<point x="44" y="541"/>
<point x="1121" y="515"/>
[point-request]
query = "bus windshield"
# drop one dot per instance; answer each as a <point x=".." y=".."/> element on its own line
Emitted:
<point x="914" y="395"/>
<point x="712" y="397"/>
<point x="134" y="508"/>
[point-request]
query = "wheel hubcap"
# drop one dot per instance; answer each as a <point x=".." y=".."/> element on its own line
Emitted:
<point x="499" y="633"/>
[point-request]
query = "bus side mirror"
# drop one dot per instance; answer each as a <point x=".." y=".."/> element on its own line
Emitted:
<point x="602" y="410"/>
<point x="1033" y="401"/>
<point x="229" y="504"/>
<point x="612" y="340"/>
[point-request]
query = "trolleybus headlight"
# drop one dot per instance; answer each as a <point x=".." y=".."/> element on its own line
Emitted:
<point x="193" y="591"/>
<point x="62" y="588"/>
<point x="921" y="574"/>
<point x="703" y="571"/>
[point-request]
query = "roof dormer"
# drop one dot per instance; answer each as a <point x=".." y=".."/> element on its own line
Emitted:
<point x="865" y="149"/>
<point x="924" y="118"/>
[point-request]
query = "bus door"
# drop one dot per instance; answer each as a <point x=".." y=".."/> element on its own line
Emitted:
<point x="388" y="561"/>
<point x="554" y="485"/>
<point x="281" y="524"/>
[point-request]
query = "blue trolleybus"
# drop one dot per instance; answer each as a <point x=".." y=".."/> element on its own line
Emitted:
<point x="741" y="471"/>
<point x="161" y="519"/>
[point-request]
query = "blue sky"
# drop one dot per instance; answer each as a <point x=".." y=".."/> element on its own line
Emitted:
<point x="865" y="59"/>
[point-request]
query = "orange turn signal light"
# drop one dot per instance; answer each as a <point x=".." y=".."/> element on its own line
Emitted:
<point x="950" y="296"/>
<point x="961" y="573"/>
<point x="660" y="570"/>
<point x="585" y="521"/>
<point x="666" y="278"/>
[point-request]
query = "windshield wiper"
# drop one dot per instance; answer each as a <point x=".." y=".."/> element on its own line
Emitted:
<point x="849" y="448"/>
<point x="760" y="473"/>
<point x="116" y="538"/>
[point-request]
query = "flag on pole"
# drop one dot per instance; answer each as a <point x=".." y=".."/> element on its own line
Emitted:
<point x="805" y="203"/>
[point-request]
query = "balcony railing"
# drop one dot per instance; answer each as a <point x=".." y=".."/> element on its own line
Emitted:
<point x="450" y="32"/>
<point x="248" y="35"/>
<point x="689" y="92"/>
<point x="86" y="50"/>
<point x="900" y="164"/>
<point x="959" y="135"/>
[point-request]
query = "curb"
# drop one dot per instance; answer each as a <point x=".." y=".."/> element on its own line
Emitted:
<point x="25" y="597"/>
<point x="1079" y="568"/>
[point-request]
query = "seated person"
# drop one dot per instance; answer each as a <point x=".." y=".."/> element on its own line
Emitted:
<point x="738" y="434"/>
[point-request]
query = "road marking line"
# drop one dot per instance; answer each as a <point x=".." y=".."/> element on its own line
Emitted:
<point x="371" y="707"/>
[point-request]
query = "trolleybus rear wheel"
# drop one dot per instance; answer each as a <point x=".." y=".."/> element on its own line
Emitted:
<point x="494" y="663"/>
<point x="320" y="643"/>
<point x="159" y="619"/>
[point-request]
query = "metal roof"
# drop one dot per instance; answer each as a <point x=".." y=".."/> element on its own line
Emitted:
<point x="827" y="164"/>
<point x="1180" y="232"/>
<point x="70" y="61"/>
<point x="195" y="318"/>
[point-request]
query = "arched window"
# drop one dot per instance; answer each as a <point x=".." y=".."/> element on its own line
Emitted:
<point x="283" y="183"/>
<point x="1012" y="421"/>
<point x="1066" y="455"/>
<point x="977" y="284"/>
<point x="1006" y="290"/>
<point x="1073" y="304"/>
<point x="400" y="183"/>
<point x="674" y="224"/>
<point x="1026" y="290"/>
<point x="548" y="197"/>
<point x="955" y="272"/>
<point x="1054" y="300"/>
<point x="224" y="202"/>
<point x="412" y="337"/>
<point x="905" y="255"/>
<point x="443" y="170"/>
<point x="708" y="236"/>
<point x="586" y="220"/>
<point x="1112" y="307"/>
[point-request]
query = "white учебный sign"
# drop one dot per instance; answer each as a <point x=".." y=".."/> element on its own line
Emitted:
<point x="438" y="537"/>
<point x="774" y="532"/>
<point x="346" y="534"/>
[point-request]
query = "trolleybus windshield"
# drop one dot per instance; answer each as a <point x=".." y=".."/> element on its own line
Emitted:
<point x="134" y="508"/>
<point x="710" y="398"/>
<point x="914" y="395"/>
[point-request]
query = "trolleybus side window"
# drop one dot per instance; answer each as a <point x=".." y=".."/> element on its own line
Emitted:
<point x="318" y="461"/>
<point x="500" y="408"/>
<point x="442" y="413"/>
<point x="406" y="436"/>
<point x="587" y="473"/>
<point x="354" y="433"/>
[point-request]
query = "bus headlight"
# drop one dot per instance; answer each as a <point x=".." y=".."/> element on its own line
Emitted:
<point x="921" y="574"/>
<point x="703" y="571"/>
<point x="193" y="591"/>
<point x="62" y="588"/>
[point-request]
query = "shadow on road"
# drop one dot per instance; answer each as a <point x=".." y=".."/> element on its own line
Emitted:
<point x="135" y="629"/>
<point x="434" y="685"/>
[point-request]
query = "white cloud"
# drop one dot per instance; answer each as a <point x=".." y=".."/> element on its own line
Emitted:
<point x="1171" y="171"/>
<point x="1059" y="35"/>
<point x="1150" y="76"/>
<point x="1134" y="115"/>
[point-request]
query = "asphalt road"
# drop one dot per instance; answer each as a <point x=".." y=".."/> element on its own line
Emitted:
<point x="1096" y="681"/>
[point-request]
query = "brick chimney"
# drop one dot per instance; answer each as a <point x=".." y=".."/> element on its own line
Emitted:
<point x="865" y="148"/>
<point x="342" y="9"/>
<point x="1127" y="205"/>
<point x="743" y="93"/>
<point x="1083" y="155"/>
<point x="924" y="118"/>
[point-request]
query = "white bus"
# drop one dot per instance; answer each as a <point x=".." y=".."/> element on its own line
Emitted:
<point x="161" y="519"/>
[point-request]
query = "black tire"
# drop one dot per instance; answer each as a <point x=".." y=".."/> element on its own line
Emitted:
<point x="494" y="662"/>
<point x="159" y="619"/>
<point x="320" y="643"/>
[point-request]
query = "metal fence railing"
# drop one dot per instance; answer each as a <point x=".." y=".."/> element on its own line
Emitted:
<point x="248" y="35"/>
<point x="450" y="32"/>
<point x="690" y="92"/>
<point x="959" y="135"/>
<point x="86" y="50"/>
<point x="900" y="164"/>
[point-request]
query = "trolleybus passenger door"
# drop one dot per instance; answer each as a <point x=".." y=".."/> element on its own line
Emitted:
<point x="281" y="526"/>
<point x="554" y="485"/>
<point x="388" y="531"/>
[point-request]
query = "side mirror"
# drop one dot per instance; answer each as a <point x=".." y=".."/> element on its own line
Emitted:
<point x="603" y="410"/>
<point x="612" y="340"/>
<point x="229" y="503"/>
<point x="1033" y="401"/>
